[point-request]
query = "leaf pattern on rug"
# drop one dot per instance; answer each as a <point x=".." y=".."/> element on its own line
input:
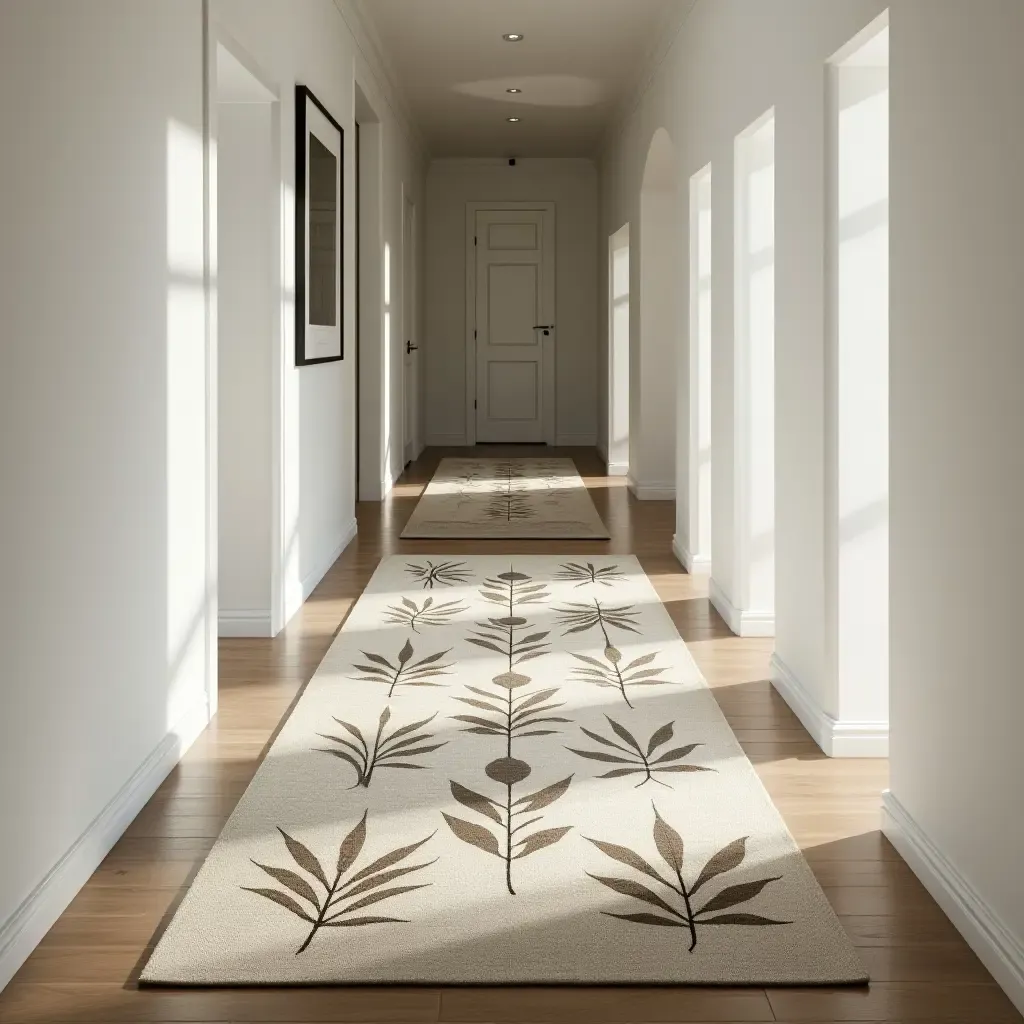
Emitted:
<point x="440" y="574"/>
<point x="513" y="843"/>
<point x="509" y="716"/>
<point x="680" y="910"/>
<point x="580" y="617"/>
<point x="607" y="575"/>
<point x="404" y="671"/>
<point x="413" y="615"/>
<point x="391" y="750"/>
<point x="343" y="898"/>
<point x="633" y="758"/>
<point x="611" y="672"/>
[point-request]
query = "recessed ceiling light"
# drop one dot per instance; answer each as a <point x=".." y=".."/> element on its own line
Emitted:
<point x="513" y="37"/>
<point x="512" y="119"/>
<point x="513" y="90"/>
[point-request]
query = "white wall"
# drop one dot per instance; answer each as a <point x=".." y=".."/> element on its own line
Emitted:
<point x="615" y="443"/>
<point x="108" y="649"/>
<point x="247" y="192"/>
<point x="955" y="411"/>
<point x="957" y="468"/>
<point x="572" y="186"/>
<point x="103" y="661"/>
<point x="310" y="42"/>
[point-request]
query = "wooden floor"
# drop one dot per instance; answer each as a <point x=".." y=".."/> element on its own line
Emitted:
<point x="85" y="969"/>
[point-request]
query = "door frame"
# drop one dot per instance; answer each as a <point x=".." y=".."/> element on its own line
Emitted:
<point x="410" y="387"/>
<point x="548" y="397"/>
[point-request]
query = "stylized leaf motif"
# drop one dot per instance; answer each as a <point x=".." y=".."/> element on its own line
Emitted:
<point x="681" y="904"/>
<point x="386" y="748"/>
<point x="335" y="906"/>
<point x="627" y="887"/>
<point x="394" y="857"/>
<point x="660" y="736"/>
<point x="669" y="843"/>
<point x="726" y="859"/>
<point x="539" y="840"/>
<point x="624" y="734"/>
<point x="281" y="899"/>
<point x="475" y="835"/>
<point x="735" y="894"/>
<point x="290" y="880"/>
<point x="405" y="672"/>
<point x="304" y="857"/>
<point x="668" y="922"/>
<point x="353" y="922"/>
<point x="630" y="752"/>
<point x="607" y="575"/>
<point x="414" y="615"/>
<point x="750" y="919"/>
<point x="626" y="856"/>
<point x="476" y="802"/>
<point x="543" y="797"/>
<point x="440" y="574"/>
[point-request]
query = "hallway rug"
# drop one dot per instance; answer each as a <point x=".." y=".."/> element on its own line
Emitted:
<point x="507" y="769"/>
<point x="504" y="499"/>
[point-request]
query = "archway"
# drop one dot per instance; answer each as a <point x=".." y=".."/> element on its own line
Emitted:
<point x="654" y="390"/>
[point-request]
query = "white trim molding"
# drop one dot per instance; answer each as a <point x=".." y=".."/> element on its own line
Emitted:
<point x="312" y="578"/>
<point x="997" y="947"/>
<point x="25" y="928"/>
<point x="835" y="737"/>
<point x="693" y="564"/>
<point x="740" y="621"/>
<point x="617" y="468"/>
<point x="651" y="492"/>
<point x="244" y="622"/>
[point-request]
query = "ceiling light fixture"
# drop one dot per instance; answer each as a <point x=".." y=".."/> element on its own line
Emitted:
<point x="512" y="119"/>
<point x="513" y="37"/>
<point x="513" y="91"/>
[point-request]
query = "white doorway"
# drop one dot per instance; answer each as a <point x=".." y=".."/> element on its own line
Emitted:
<point x="410" y="336"/>
<point x="618" y="352"/>
<point x="697" y="542"/>
<point x="245" y="247"/>
<point x="510" y="316"/>
<point x="857" y="393"/>
<point x="749" y="597"/>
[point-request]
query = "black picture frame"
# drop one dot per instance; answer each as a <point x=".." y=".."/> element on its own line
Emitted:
<point x="303" y="335"/>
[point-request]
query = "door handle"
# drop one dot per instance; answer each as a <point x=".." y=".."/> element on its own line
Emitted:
<point x="410" y="348"/>
<point x="546" y="328"/>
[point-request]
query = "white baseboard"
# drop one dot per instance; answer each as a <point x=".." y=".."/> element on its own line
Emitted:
<point x="243" y="623"/>
<point x="576" y="440"/>
<point x="836" y="738"/>
<point x="693" y="564"/>
<point x="315" y="575"/>
<point x="25" y="928"/>
<point x="446" y="440"/>
<point x="617" y="468"/>
<point x="651" y="491"/>
<point x="997" y="947"/>
<point x="741" y="621"/>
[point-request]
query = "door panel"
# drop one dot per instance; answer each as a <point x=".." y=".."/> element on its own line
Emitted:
<point x="513" y="300"/>
<point x="514" y="293"/>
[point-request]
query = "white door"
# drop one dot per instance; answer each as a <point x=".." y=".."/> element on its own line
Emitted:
<point x="410" y="346"/>
<point x="515" y="301"/>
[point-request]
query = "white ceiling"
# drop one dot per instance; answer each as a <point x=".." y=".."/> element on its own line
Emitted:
<point x="577" y="60"/>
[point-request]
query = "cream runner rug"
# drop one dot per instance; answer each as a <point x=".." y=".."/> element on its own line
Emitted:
<point x="506" y="769"/>
<point x="506" y="498"/>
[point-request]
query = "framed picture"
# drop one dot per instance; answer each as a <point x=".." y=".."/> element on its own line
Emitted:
<point x="319" y="164"/>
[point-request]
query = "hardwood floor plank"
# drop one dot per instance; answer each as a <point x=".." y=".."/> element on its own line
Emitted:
<point x="83" y="972"/>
